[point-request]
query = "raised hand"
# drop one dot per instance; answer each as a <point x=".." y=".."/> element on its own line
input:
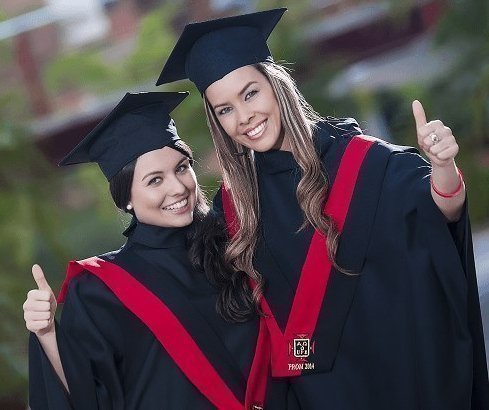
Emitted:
<point x="439" y="145"/>
<point x="434" y="138"/>
<point x="40" y="305"/>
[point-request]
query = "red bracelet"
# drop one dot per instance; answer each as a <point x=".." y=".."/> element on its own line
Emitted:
<point x="451" y="194"/>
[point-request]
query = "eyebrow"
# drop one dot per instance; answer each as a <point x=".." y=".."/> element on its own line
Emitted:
<point x="161" y="172"/>
<point x="240" y="93"/>
<point x="150" y="174"/>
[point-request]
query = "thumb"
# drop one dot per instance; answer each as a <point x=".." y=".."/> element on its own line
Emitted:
<point x="419" y="114"/>
<point x="40" y="279"/>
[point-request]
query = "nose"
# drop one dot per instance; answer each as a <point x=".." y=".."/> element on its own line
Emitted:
<point x="175" y="187"/>
<point x="245" y="115"/>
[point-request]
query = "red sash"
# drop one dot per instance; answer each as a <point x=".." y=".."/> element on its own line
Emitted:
<point x="291" y="350"/>
<point x="175" y="339"/>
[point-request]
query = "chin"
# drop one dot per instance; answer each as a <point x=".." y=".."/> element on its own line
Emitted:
<point x="263" y="146"/>
<point x="182" y="220"/>
<point x="174" y="221"/>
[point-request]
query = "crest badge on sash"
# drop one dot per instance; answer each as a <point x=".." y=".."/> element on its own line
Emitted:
<point x="301" y="347"/>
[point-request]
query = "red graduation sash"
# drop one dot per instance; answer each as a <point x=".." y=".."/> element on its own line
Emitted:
<point x="174" y="337"/>
<point x="290" y="349"/>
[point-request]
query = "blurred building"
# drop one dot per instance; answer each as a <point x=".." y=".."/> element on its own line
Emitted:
<point x="356" y="30"/>
<point x="384" y="45"/>
<point x="38" y="32"/>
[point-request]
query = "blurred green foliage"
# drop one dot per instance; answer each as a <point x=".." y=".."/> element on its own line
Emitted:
<point x="80" y="69"/>
<point x="39" y="225"/>
<point x="155" y="38"/>
<point x="464" y="95"/>
<point x="24" y="211"/>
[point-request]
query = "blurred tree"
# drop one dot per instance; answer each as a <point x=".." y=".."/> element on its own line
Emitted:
<point x="47" y="217"/>
<point x="38" y="223"/>
<point x="81" y="70"/>
<point x="12" y="101"/>
<point x="464" y="92"/>
<point x="13" y="369"/>
<point x="28" y="214"/>
<point x="460" y="97"/>
<point x="155" y="40"/>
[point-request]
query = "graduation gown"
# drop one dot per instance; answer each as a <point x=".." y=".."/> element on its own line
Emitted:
<point x="403" y="329"/>
<point x="113" y="361"/>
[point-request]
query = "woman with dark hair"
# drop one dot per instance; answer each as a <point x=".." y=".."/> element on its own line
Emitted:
<point x="139" y="328"/>
<point x="358" y="251"/>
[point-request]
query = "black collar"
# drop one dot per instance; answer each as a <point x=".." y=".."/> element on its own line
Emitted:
<point x="156" y="236"/>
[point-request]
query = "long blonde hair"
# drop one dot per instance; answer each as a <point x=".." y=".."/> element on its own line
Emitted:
<point x="299" y="121"/>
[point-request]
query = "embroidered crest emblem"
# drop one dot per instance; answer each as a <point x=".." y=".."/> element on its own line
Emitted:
<point x="302" y="347"/>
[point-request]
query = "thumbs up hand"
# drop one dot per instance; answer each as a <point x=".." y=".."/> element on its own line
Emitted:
<point x="439" y="145"/>
<point x="434" y="138"/>
<point x="40" y="305"/>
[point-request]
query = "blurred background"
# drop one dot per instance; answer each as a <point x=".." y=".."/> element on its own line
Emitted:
<point x="65" y="63"/>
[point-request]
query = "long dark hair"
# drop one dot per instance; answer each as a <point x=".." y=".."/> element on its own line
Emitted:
<point x="207" y="239"/>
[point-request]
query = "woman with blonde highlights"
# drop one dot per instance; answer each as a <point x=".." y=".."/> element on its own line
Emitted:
<point x="358" y="252"/>
<point x="299" y="121"/>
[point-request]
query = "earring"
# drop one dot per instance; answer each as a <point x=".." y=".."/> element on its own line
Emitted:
<point x="129" y="207"/>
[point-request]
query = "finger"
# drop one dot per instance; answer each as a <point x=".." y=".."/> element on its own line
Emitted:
<point x="445" y="139"/>
<point x="39" y="295"/>
<point x="436" y="127"/>
<point x="40" y="279"/>
<point x="435" y="147"/>
<point x="37" y="325"/>
<point x="445" y="143"/>
<point x="37" y="306"/>
<point x="449" y="153"/>
<point x="34" y="316"/>
<point x="419" y="114"/>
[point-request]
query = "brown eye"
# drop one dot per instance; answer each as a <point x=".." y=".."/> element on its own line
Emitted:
<point x="154" y="181"/>
<point x="182" y="168"/>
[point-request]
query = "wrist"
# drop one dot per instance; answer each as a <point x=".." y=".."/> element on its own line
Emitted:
<point x="47" y="334"/>
<point x="444" y="167"/>
<point x="450" y="194"/>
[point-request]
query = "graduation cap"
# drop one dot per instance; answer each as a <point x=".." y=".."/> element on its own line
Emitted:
<point x="207" y="51"/>
<point x="138" y="124"/>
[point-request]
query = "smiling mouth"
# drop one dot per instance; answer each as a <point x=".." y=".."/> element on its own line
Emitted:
<point x="257" y="131"/>
<point x="177" y="205"/>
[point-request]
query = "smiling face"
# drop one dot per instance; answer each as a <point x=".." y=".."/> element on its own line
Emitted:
<point x="246" y="107"/>
<point x="164" y="189"/>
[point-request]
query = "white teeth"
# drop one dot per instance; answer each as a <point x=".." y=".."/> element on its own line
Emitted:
<point x="256" y="130"/>
<point x="176" y="205"/>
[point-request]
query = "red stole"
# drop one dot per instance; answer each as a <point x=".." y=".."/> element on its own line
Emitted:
<point x="290" y="351"/>
<point x="174" y="337"/>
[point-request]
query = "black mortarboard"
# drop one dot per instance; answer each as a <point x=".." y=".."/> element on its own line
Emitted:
<point x="138" y="124"/>
<point x="207" y="51"/>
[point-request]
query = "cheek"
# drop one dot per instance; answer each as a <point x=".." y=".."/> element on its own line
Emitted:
<point x="274" y="107"/>
<point x="227" y="123"/>
<point x="145" y="198"/>
<point x="191" y="182"/>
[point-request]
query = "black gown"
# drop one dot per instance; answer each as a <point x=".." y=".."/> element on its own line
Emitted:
<point x="403" y="333"/>
<point x="112" y="360"/>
